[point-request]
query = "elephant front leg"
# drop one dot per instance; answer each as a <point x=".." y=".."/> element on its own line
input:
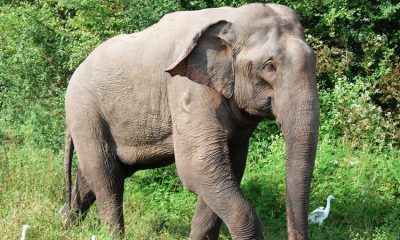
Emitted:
<point x="205" y="223"/>
<point x="207" y="171"/>
<point x="202" y="156"/>
<point x="223" y="196"/>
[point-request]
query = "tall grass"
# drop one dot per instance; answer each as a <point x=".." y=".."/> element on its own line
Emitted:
<point x="365" y="184"/>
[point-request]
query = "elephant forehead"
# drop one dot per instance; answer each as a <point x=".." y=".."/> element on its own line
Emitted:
<point x="275" y="28"/>
<point x="270" y="38"/>
<point x="257" y="54"/>
<point x="263" y="17"/>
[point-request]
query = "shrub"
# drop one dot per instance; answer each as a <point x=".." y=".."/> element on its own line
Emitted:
<point x="348" y="111"/>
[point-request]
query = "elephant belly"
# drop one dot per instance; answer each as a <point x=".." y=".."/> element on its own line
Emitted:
<point x="156" y="154"/>
<point x="140" y="125"/>
<point x="142" y="139"/>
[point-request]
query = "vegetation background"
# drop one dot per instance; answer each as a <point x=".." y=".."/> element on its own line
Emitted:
<point x="358" y="48"/>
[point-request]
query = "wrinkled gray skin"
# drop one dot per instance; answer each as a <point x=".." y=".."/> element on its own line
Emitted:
<point x="191" y="89"/>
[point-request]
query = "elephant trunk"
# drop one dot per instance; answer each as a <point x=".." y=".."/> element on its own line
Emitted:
<point x="301" y="144"/>
<point x="300" y="129"/>
<point x="298" y="115"/>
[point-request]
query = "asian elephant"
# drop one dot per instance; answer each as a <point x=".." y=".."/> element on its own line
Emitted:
<point x="191" y="89"/>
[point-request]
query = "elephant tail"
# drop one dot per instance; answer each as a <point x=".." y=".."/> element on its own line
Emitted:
<point x="69" y="150"/>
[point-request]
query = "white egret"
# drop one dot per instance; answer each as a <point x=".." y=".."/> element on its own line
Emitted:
<point x="93" y="237"/>
<point x="24" y="229"/>
<point x="321" y="213"/>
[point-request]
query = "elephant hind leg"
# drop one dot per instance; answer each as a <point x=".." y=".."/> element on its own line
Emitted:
<point x="101" y="169"/>
<point x="81" y="199"/>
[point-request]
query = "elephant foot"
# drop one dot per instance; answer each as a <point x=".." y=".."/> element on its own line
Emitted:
<point x="63" y="213"/>
<point x="69" y="217"/>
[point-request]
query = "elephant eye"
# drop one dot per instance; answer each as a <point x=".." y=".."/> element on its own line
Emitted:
<point x="269" y="66"/>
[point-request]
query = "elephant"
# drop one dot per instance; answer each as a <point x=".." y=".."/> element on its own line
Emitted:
<point x="190" y="90"/>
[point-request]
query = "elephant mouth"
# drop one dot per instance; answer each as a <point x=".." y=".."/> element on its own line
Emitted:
<point x="266" y="109"/>
<point x="263" y="110"/>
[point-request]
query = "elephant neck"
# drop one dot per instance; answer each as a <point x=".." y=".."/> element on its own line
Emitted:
<point x="241" y="118"/>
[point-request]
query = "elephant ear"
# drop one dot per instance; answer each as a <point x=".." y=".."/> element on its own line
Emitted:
<point x="208" y="59"/>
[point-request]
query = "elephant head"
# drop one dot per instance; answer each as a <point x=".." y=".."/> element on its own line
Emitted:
<point x="257" y="58"/>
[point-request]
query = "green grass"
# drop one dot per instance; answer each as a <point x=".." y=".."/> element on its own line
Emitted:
<point x="365" y="184"/>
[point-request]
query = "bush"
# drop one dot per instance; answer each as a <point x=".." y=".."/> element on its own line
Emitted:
<point x="45" y="42"/>
<point x="349" y="111"/>
<point x="47" y="39"/>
